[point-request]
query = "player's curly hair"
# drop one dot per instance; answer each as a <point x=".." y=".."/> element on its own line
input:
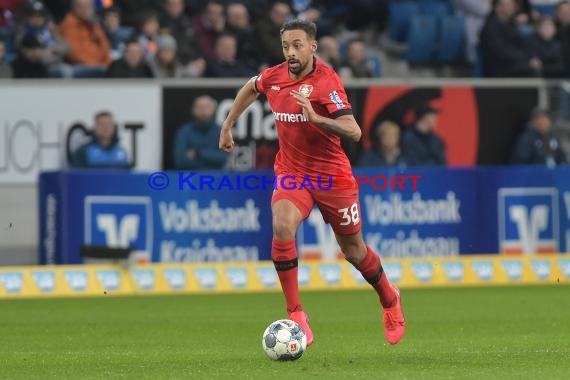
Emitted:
<point x="309" y="27"/>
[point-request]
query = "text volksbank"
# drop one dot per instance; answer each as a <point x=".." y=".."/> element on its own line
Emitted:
<point x="212" y="218"/>
<point x="205" y="221"/>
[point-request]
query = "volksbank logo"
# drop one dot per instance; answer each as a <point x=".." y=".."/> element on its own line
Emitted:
<point x="176" y="278"/>
<point x="109" y="279"/>
<point x="483" y="270"/>
<point x="237" y="277"/>
<point x="304" y="275"/>
<point x="267" y="276"/>
<point x="541" y="268"/>
<point x="528" y="220"/>
<point x="119" y="222"/>
<point x="76" y="279"/>
<point x="454" y="271"/>
<point x="45" y="281"/>
<point x="12" y="281"/>
<point x="207" y="277"/>
<point x="144" y="278"/>
<point x="330" y="273"/>
<point x="423" y="271"/>
<point x="513" y="269"/>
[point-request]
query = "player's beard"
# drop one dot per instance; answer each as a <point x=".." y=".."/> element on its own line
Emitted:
<point x="298" y="68"/>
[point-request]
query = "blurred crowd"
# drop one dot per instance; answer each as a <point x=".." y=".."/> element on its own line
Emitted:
<point x="238" y="38"/>
<point x="517" y="40"/>
<point x="168" y="38"/>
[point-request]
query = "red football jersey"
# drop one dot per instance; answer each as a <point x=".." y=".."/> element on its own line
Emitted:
<point x="306" y="149"/>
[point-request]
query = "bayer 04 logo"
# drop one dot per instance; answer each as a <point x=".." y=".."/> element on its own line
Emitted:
<point x="284" y="340"/>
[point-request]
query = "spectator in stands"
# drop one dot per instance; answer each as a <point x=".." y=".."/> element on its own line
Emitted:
<point x="5" y="69"/>
<point x="538" y="145"/>
<point x="37" y="23"/>
<point x="115" y="33"/>
<point x="196" y="142"/>
<point x="179" y="25"/>
<point x="267" y="31"/>
<point x="544" y="46"/>
<point x="356" y="63"/>
<point x="474" y="12"/>
<point x="421" y="146"/>
<point x="328" y="51"/>
<point x="563" y="32"/>
<point x="133" y="63"/>
<point x="502" y="47"/>
<point x="386" y="147"/>
<point x="104" y="150"/>
<point x="88" y="46"/>
<point x="166" y="63"/>
<point x="209" y="24"/>
<point x="237" y="23"/>
<point x="29" y="62"/>
<point x="225" y="65"/>
<point x="149" y="29"/>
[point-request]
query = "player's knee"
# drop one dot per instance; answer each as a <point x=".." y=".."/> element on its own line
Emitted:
<point x="353" y="252"/>
<point x="284" y="228"/>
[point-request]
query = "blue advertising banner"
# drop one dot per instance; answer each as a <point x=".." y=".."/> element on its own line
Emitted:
<point x="219" y="216"/>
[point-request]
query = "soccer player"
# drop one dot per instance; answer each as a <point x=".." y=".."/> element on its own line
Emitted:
<point x="312" y="113"/>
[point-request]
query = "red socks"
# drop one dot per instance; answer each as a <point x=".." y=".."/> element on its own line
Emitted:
<point x="372" y="271"/>
<point x="284" y="255"/>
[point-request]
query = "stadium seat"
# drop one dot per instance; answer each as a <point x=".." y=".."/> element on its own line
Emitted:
<point x="401" y="14"/>
<point x="422" y="40"/>
<point x="376" y="64"/>
<point x="451" y="41"/>
<point x="434" y="8"/>
<point x="545" y="9"/>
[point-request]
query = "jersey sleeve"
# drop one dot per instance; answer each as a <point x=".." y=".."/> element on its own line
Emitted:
<point x="333" y="97"/>
<point x="261" y="81"/>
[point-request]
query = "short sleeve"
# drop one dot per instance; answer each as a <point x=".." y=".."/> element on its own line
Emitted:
<point x="260" y="81"/>
<point x="334" y="98"/>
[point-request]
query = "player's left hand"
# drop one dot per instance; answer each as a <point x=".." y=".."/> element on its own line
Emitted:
<point x="305" y="103"/>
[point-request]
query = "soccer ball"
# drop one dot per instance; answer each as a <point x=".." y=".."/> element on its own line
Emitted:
<point x="284" y="340"/>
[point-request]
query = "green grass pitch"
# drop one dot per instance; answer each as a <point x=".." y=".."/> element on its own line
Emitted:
<point x="461" y="333"/>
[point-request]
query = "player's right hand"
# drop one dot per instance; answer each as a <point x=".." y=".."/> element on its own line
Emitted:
<point x="226" y="139"/>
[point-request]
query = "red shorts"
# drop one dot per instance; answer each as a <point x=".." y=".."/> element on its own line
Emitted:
<point x="340" y="207"/>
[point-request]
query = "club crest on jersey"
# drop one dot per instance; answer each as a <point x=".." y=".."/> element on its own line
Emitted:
<point x="306" y="90"/>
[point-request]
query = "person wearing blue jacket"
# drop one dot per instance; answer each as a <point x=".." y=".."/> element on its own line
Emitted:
<point x="196" y="142"/>
<point x="104" y="150"/>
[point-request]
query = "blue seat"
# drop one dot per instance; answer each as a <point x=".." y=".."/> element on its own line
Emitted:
<point x="545" y="9"/>
<point x="451" y="41"/>
<point x="434" y="8"/>
<point x="422" y="40"/>
<point x="376" y="65"/>
<point x="401" y="14"/>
